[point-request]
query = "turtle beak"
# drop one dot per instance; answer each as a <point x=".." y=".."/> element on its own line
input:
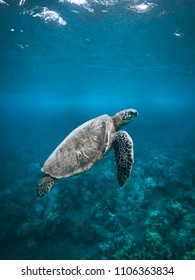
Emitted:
<point x="134" y="113"/>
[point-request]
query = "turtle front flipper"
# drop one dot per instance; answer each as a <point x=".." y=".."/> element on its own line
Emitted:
<point x="45" y="186"/>
<point x="123" y="146"/>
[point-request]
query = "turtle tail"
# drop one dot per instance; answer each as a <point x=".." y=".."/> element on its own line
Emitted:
<point x="45" y="186"/>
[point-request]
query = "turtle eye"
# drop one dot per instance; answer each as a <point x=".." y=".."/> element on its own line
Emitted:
<point x="126" y="116"/>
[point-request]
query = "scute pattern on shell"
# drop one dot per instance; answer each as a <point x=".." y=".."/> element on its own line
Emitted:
<point x="81" y="148"/>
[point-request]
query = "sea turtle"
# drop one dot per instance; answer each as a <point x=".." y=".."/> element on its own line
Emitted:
<point x="86" y="145"/>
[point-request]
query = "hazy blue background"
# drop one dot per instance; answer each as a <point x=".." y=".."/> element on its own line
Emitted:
<point x="64" y="62"/>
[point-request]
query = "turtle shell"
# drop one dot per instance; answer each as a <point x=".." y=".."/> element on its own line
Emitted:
<point x="81" y="149"/>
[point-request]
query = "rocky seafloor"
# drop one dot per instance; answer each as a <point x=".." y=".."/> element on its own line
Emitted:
<point x="90" y="217"/>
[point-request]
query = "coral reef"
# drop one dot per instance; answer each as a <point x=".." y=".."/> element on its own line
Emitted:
<point x="90" y="217"/>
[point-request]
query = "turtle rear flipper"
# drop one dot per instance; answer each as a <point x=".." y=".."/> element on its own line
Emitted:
<point x="123" y="146"/>
<point x="45" y="186"/>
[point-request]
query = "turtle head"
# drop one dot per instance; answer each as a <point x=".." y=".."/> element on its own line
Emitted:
<point x="124" y="117"/>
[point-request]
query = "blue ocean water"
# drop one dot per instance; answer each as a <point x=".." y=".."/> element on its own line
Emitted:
<point x="65" y="62"/>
